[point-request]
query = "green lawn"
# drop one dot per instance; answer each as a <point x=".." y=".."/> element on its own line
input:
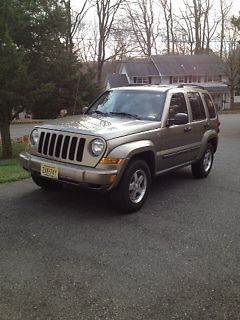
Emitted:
<point x="10" y="169"/>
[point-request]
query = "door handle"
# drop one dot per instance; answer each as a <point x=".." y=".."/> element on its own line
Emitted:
<point x="187" y="129"/>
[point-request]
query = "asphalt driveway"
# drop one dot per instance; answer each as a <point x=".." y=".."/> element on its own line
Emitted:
<point x="68" y="255"/>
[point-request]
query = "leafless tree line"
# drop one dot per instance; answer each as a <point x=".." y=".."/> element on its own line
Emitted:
<point x="122" y="29"/>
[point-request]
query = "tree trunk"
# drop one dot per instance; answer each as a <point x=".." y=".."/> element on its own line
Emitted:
<point x="6" y="140"/>
<point x="231" y="96"/>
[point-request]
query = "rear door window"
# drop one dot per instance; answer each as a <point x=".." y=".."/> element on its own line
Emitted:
<point x="197" y="107"/>
<point x="210" y="106"/>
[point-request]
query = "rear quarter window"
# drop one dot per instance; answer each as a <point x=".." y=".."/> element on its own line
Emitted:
<point x="210" y="105"/>
<point x="197" y="107"/>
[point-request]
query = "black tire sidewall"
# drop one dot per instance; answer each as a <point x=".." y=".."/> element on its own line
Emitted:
<point x="198" y="168"/>
<point x="209" y="147"/>
<point x="122" y="192"/>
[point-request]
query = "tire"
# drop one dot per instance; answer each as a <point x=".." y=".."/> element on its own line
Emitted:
<point x="133" y="188"/>
<point x="202" y="168"/>
<point x="44" y="183"/>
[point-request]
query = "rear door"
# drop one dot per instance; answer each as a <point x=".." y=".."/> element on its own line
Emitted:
<point x="199" y="121"/>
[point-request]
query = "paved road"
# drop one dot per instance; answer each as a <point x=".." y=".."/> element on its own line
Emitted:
<point x="20" y="130"/>
<point x="68" y="255"/>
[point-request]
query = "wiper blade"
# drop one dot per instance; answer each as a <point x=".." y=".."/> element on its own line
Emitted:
<point x="135" y="116"/>
<point x="99" y="112"/>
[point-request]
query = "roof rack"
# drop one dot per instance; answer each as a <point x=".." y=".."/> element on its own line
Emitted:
<point x="182" y="85"/>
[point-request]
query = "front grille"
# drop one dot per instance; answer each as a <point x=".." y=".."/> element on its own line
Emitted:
<point x="61" y="146"/>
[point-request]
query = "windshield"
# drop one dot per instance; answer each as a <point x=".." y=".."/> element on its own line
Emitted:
<point x="142" y="105"/>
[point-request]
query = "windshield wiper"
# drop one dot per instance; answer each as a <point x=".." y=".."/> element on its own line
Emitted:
<point x="99" y="112"/>
<point x="125" y="114"/>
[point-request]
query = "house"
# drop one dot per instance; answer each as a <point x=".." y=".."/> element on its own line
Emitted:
<point x="205" y="70"/>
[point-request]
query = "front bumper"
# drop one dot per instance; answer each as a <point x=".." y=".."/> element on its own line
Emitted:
<point x="95" y="178"/>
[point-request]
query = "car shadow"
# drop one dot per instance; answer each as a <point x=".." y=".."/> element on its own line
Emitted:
<point x="92" y="204"/>
<point x="70" y="200"/>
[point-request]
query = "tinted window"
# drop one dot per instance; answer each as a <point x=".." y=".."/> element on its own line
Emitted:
<point x="210" y="106"/>
<point x="177" y="105"/>
<point x="198" y="111"/>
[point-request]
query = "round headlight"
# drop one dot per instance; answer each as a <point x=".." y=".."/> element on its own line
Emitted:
<point x="97" y="147"/>
<point x="34" y="137"/>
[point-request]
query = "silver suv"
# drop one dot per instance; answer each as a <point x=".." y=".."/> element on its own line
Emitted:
<point x="124" y="139"/>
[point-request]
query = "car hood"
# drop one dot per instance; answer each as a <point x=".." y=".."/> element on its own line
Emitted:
<point x="106" y="127"/>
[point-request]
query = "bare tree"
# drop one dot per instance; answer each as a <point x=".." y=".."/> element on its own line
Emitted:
<point x="141" y="16"/>
<point x="122" y="42"/>
<point x="185" y="29"/>
<point x="224" y="11"/>
<point x="166" y="5"/>
<point x="231" y="56"/>
<point x="106" y="14"/>
<point x="87" y="42"/>
<point x="200" y="24"/>
<point x="74" y="20"/>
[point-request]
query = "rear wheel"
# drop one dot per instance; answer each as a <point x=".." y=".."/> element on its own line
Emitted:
<point x="45" y="183"/>
<point x="133" y="188"/>
<point x="202" y="168"/>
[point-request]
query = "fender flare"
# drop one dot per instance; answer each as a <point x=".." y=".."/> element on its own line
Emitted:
<point x="206" y="138"/>
<point x="128" y="150"/>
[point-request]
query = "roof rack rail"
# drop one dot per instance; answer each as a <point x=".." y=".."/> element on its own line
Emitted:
<point x="182" y="85"/>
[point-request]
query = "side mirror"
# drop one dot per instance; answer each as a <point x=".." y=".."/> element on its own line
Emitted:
<point x="179" y="118"/>
<point x="84" y="110"/>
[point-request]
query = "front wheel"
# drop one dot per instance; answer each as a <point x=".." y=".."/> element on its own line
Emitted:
<point x="133" y="188"/>
<point x="202" y="168"/>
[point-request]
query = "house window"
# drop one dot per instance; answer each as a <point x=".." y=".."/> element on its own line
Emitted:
<point x="210" y="78"/>
<point x="217" y="78"/>
<point x="180" y="79"/>
<point x="174" y="79"/>
<point x="194" y="79"/>
<point x="142" y="80"/>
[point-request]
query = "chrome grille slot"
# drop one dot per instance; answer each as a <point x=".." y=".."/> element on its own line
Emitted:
<point x="61" y="146"/>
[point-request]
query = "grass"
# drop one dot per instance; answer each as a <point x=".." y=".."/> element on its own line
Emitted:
<point x="10" y="169"/>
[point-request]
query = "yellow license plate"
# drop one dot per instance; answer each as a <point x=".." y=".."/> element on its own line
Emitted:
<point x="49" y="171"/>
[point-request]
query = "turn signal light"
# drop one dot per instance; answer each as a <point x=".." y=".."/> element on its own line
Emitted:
<point x="115" y="161"/>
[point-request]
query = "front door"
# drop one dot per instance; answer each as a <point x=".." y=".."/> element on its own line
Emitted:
<point x="178" y="144"/>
